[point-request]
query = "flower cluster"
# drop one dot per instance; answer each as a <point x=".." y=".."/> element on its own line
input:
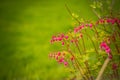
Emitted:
<point x="100" y="21"/>
<point x="107" y="49"/>
<point x="64" y="37"/>
<point x="59" y="38"/>
<point x="76" y="46"/>
<point x="109" y="21"/>
<point x="79" y="28"/>
<point x="80" y="51"/>
<point x="60" y="57"/>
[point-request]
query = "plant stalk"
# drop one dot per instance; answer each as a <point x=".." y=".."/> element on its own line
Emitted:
<point x="99" y="77"/>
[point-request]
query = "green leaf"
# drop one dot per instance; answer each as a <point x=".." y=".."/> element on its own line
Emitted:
<point x="93" y="6"/>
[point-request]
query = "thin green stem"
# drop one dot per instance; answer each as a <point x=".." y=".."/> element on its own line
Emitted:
<point x="103" y="69"/>
<point x="79" y="66"/>
<point x="69" y="11"/>
<point x="92" y="42"/>
<point x="83" y="45"/>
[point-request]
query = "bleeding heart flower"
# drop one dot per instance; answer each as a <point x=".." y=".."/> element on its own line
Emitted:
<point x="59" y="53"/>
<point x="91" y="25"/>
<point x="61" y="60"/>
<point x="65" y="63"/>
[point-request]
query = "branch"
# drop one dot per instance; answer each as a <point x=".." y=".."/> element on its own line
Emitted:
<point x="71" y="13"/>
<point x="103" y="69"/>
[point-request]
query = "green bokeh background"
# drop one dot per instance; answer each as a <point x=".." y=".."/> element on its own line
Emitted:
<point x="26" y="27"/>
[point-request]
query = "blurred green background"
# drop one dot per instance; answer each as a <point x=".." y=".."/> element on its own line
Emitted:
<point x="26" y="27"/>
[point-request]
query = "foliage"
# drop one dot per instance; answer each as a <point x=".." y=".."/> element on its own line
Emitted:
<point x="85" y="48"/>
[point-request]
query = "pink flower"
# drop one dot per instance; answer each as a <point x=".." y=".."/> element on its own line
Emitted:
<point x="102" y="21"/>
<point x="113" y="21"/>
<point x="66" y="37"/>
<point x="59" y="53"/>
<point x="107" y="49"/>
<point x="91" y="25"/>
<point x="103" y="45"/>
<point x="118" y="21"/>
<point x="53" y="37"/>
<point x="61" y="60"/>
<point x="108" y="20"/>
<point x="59" y="39"/>
<point x="63" y="43"/>
<point x="65" y="63"/>
<point x="86" y="25"/>
<point x="72" y="41"/>
<point x="76" y="30"/>
<point x="82" y="26"/>
<point x="62" y="35"/>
